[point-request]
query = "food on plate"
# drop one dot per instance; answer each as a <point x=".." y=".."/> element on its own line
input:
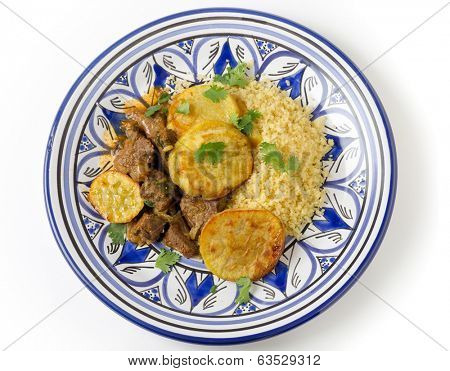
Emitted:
<point x="242" y="243"/>
<point x="197" y="211"/>
<point x="145" y="229"/>
<point x="221" y="171"/>
<point x="286" y="126"/>
<point x="210" y="160"/>
<point x="135" y="157"/>
<point x="116" y="197"/>
<point x="194" y="105"/>
<point x="158" y="190"/>
<point x="178" y="238"/>
<point x="245" y="124"/>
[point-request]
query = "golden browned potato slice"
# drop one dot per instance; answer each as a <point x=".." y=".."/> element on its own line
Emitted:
<point x="116" y="197"/>
<point x="242" y="243"/>
<point x="200" y="109"/>
<point x="206" y="179"/>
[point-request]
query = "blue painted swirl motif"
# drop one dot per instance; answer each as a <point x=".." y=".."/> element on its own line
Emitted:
<point x="187" y="286"/>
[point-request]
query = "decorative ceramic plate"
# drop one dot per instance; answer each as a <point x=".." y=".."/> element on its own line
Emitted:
<point x="314" y="271"/>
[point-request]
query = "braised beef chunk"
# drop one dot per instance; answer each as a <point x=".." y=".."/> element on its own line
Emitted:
<point x="146" y="229"/>
<point x="197" y="211"/>
<point x="155" y="129"/>
<point x="131" y="129"/>
<point x="159" y="190"/>
<point x="135" y="158"/>
<point x="177" y="237"/>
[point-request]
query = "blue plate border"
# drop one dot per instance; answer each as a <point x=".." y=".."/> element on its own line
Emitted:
<point x="281" y="329"/>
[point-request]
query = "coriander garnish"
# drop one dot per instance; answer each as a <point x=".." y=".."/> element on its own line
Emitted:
<point x="166" y="259"/>
<point x="152" y="110"/>
<point x="213" y="289"/>
<point x="243" y="284"/>
<point x="293" y="164"/>
<point x="164" y="97"/>
<point x="245" y="122"/>
<point x="234" y="76"/>
<point x="183" y="108"/>
<point x="212" y="152"/>
<point x="117" y="233"/>
<point x="271" y="156"/>
<point x="215" y="93"/>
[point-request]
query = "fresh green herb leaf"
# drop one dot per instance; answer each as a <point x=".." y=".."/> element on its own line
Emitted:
<point x="117" y="233"/>
<point x="275" y="159"/>
<point x="212" y="151"/>
<point x="245" y="123"/>
<point x="149" y="203"/>
<point x="266" y="148"/>
<point x="213" y="289"/>
<point x="183" y="108"/>
<point x="166" y="259"/>
<point x="271" y="156"/>
<point x="164" y="110"/>
<point x="152" y="110"/>
<point x="234" y="76"/>
<point x="234" y="118"/>
<point x="164" y="97"/>
<point x="293" y="164"/>
<point x="243" y="284"/>
<point x="215" y="93"/>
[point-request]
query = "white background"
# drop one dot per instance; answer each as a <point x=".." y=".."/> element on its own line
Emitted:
<point x="411" y="269"/>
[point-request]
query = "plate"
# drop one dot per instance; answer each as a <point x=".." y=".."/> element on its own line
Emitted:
<point x="314" y="271"/>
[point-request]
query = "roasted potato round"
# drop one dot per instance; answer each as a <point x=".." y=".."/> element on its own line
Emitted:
<point x="116" y="197"/>
<point x="242" y="243"/>
<point x="200" y="109"/>
<point x="211" y="179"/>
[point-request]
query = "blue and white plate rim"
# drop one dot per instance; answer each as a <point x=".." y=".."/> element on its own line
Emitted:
<point x="257" y="336"/>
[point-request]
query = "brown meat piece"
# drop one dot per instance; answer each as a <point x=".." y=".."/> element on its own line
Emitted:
<point x="146" y="229"/>
<point x="177" y="237"/>
<point x="131" y="129"/>
<point x="135" y="158"/>
<point x="197" y="211"/>
<point x="155" y="129"/>
<point x="159" y="190"/>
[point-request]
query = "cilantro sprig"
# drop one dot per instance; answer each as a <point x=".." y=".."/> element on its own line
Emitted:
<point x="243" y="284"/>
<point x="211" y="151"/>
<point x="245" y="122"/>
<point x="152" y="110"/>
<point x="163" y="98"/>
<point x="234" y="76"/>
<point x="293" y="164"/>
<point x="183" y="108"/>
<point x="215" y="93"/>
<point x="271" y="156"/>
<point x="166" y="259"/>
<point x="117" y="233"/>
